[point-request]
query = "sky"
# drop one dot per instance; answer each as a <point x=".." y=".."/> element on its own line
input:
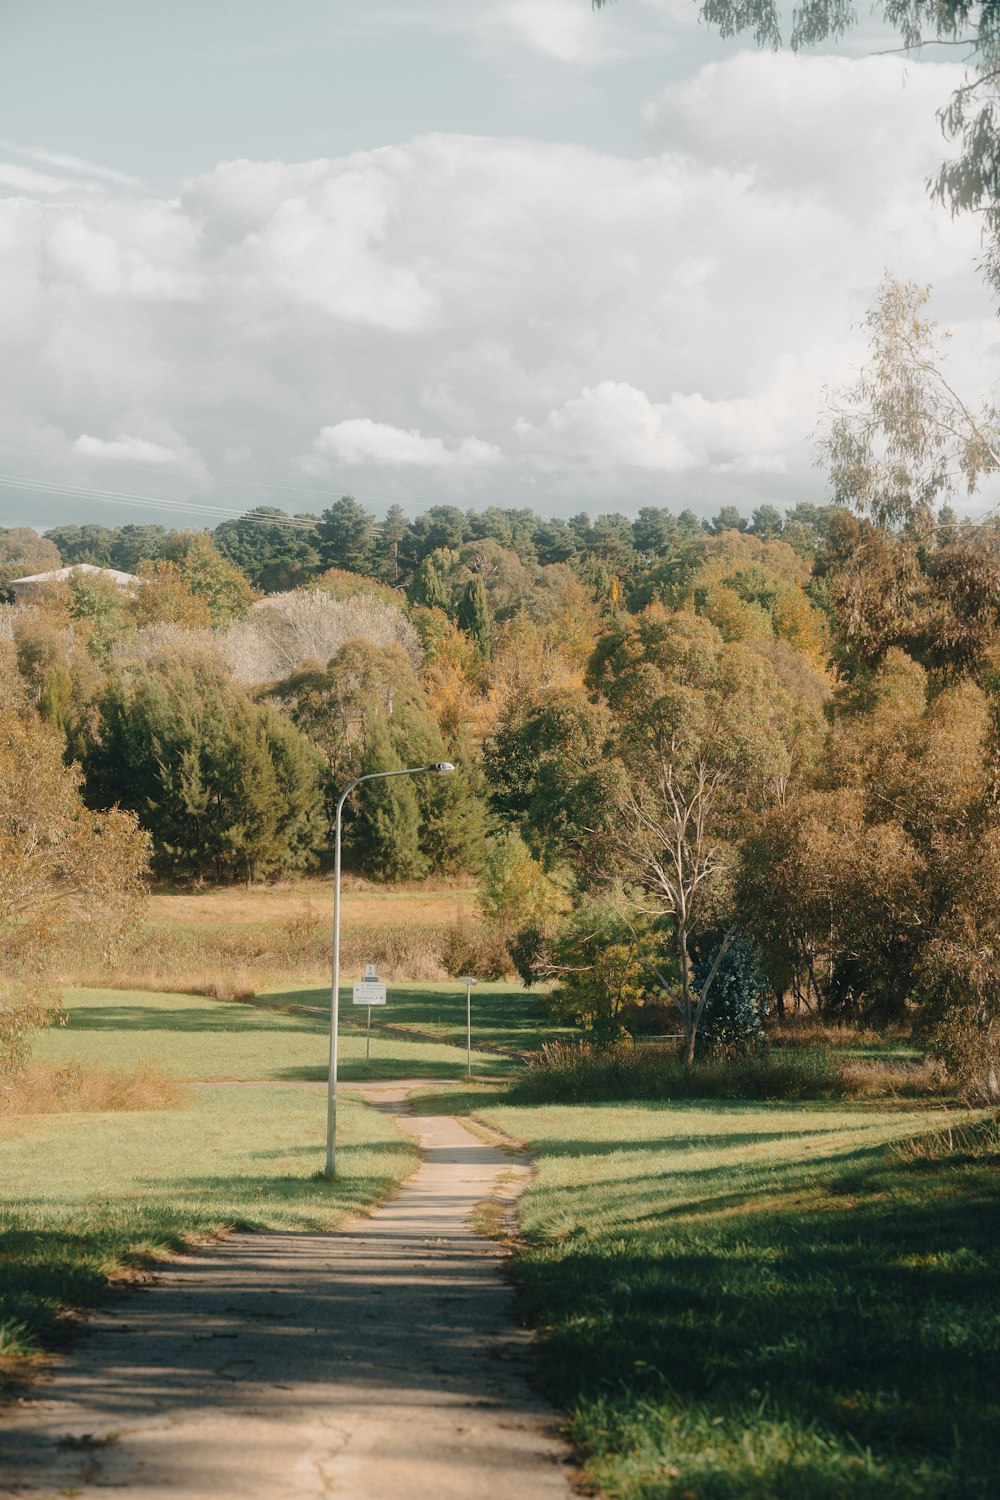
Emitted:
<point x="517" y="252"/>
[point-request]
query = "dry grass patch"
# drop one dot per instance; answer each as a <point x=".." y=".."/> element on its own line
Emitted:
<point x="45" y="1090"/>
<point x="310" y="901"/>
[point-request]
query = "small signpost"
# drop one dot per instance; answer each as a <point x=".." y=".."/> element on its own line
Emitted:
<point x="468" y="982"/>
<point x="369" y="991"/>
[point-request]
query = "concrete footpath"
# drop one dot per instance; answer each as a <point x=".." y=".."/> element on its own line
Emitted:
<point x="377" y="1362"/>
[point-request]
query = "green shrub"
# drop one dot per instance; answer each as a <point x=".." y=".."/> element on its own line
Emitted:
<point x="581" y="1073"/>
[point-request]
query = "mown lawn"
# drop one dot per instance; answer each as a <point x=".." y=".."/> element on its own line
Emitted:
<point x="744" y="1301"/>
<point x="85" y="1195"/>
<point x="192" y="1037"/>
<point x="504" y="1013"/>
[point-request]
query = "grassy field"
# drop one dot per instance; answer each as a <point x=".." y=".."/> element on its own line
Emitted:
<point x="504" y="1014"/>
<point x="231" y="942"/>
<point x="86" y="1196"/>
<point x="421" y="904"/>
<point x="191" y="1037"/>
<point x="746" y="1302"/>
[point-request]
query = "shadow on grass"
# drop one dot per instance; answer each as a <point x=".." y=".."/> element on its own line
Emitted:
<point x="45" y="1268"/>
<point x="206" y="1016"/>
<point x="846" y="1309"/>
<point x="505" y="1015"/>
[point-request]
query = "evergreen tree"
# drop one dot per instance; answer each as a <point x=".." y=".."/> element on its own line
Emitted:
<point x="474" y="616"/>
<point x="83" y="544"/>
<point x="136" y="544"/>
<point x="733" y="1019"/>
<point x="389" y="556"/>
<point x="274" y="550"/>
<point x="384" y="836"/>
<point x="347" y="535"/>
<point x="226" y="787"/>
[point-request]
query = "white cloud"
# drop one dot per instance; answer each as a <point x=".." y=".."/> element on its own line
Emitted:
<point x="124" y="449"/>
<point x="359" y="440"/>
<point x="512" y="321"/>
<point x="27" y="180"/>
<point x="614" y="426"/>
<point x="560" y="29"/>
<point x="75" y="164"/>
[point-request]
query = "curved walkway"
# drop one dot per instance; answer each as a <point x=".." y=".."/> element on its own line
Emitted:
<point x="377" y="1362"/>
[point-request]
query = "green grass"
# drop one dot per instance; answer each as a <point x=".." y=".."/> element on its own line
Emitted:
<point x="191" y="1037"/>
<point x="504" y="1014"/>
<point x="86" y="1195"/>
<point x="746" y="1301"/>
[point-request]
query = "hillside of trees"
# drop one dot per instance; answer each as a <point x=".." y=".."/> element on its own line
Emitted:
<point x="685" y="751"/>
<point x="670" y="736"/>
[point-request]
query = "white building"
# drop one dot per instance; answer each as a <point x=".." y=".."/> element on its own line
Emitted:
<point x="23" y="586"/>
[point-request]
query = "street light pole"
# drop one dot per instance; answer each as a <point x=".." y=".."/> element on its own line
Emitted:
<point x="468" y="981"/>
<point x="442" y="768"/>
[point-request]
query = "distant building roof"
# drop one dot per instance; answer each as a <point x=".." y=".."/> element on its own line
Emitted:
<point x="59" y="575"/>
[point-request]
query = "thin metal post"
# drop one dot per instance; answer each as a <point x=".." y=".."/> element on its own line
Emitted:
<point x="331" y="1089"/>
<point x="442" y="768"/>
<point x="368" y="1038"/>
<point x="468" y="982"/>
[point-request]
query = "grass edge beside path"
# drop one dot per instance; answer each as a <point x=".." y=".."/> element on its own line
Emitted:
<point x="114" y="1203"/>
<point x="727" y="1315"/>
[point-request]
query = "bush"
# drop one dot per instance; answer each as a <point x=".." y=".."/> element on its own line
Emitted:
<point x="475" y="948"/>
<point x="581" y="1073"/>
<point x="732" y="1023"/>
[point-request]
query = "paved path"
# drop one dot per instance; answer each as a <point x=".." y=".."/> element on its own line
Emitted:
<point x="376" y="1363"/>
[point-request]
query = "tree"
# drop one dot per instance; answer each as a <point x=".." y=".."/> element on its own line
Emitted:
<point x="391" y="536"/>
<point x="226" y="787"/>
<point x="83" y="544"/>
<point x="22" y="553"/>
<point x="347" y="536"/>
<point x="732" y="1022"/>
<point x="67" y="875"/>
<point x="701" y="734"/>
<point x="474" y="617"/>
<point x="653" y="531"/>
<point x="729" y="518"/>
<point x="133" y="545"/>
<point x="599" y="964"/>
<point x="166" y="597"/>
<point x="274" y="550"/>
<point x="901" y="440"/>
<point x="226" y="593"/>
<point x="384" y="832"/>
<point x="767" y="523"/>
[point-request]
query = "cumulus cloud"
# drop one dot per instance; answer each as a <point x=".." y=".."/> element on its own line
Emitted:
<point x="614" y="426"/>
<point x="359" y="440"/>
<point x="124" y="449"/>
<point x="515" y="321"/>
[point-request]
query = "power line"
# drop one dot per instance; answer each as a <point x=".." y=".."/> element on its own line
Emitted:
<point x="258" y="484"/>
<point x="150" y="502"/>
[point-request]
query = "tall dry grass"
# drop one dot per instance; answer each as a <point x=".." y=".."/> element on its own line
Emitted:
<point x="40" y="1089"/>
<point x="235" y="962"/>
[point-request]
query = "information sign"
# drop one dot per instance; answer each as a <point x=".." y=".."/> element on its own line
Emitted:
<point x="369" y="992"/>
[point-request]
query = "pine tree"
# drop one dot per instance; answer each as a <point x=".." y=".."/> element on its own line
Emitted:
<point x="474" y="616"/>
<point x="384" y="837"/>
<point x="346" y="533"/>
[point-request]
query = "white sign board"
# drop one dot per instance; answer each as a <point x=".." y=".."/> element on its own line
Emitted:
<point x="369" y="992"/>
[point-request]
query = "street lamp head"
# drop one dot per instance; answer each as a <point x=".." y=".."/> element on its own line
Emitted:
<point x="441" y="766"/>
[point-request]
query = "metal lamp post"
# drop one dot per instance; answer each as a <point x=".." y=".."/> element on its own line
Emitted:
<point x="468" y="981"/>
<point x="442" y="768"/>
